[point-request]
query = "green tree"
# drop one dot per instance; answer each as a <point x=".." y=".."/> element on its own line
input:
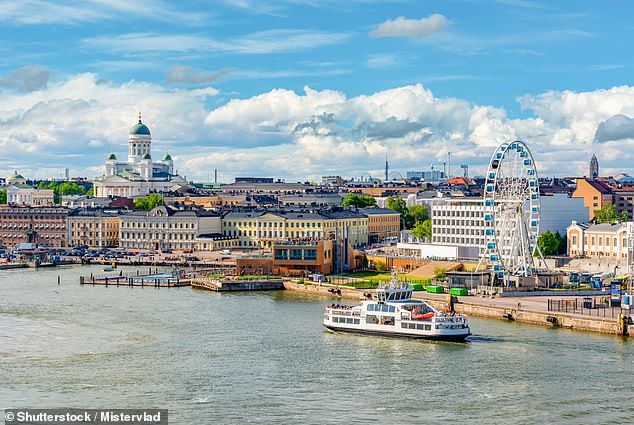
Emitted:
<point x="563" y="245"/>
<point x="440" y="273"/>
<point x="380" y="266"/>
<point x="414" y="214"/>
<point x="396" y="204"/>
<point x="358" y="201"/>
<point x="71" y="188"/>
<point x="607" y="214"/>
<point x="91" y="192"/>
<point x="422" y="229"/>
<point x="3" y="196"/>
<point x="548" y="243"/>
<point x="148" y="202"/>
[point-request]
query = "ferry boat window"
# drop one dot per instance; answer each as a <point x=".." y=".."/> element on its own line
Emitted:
<point x="392" y="309"/>
<point x="357" y="321"/>
<point x="412" y="325"/>
<point x="404" y="325"/>
<point x="428" y="327"/>
<point x="349" y="320"/>
<point x="419" y="327"/>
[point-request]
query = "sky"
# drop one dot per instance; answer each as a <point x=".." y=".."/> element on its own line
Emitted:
<point x="300" y="89"/>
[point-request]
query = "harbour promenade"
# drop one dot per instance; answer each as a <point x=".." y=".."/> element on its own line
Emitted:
<point x="521" y="309"/>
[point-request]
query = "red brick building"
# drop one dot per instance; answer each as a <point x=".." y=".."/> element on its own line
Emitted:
<point x="45" y="226"/>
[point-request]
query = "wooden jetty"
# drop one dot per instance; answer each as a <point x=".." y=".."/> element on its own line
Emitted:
<point x="135" y="280"/>
<point x="230" y="285"/>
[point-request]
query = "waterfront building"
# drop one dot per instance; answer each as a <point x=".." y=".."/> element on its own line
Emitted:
<point x="624" y="201"/>
<point x="290" y="258"/>
<point x="258" y="228"/>
<point x="45" y="226"/>
<point x="139" y="175"/>
<point x="595" y="194"/>
<point x="94" y="227"/>
<point x="167" y="227"/>
<point x="458" y="221"/>
<point x="383" y="224"/>
<point x="604" y="240"/>
<point x="215" y="242"/>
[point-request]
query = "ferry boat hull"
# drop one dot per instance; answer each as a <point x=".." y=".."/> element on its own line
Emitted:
<point x="394" y="313"/>
<point x="392" y="334"/>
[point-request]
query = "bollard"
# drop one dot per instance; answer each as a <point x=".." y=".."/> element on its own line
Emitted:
<point x="58" y="278"/>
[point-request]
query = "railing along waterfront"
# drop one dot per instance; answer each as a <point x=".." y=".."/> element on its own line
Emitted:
<point x="588" y="306"/>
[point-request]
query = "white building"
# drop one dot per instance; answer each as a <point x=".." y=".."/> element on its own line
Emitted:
<point x="458" y="221"/>
<point x="20" y="193"/>
<point x="139" y="175"/>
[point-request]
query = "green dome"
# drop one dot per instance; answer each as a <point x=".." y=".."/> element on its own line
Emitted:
<point x="112" y="156"/>
<point x="167" y="157"/>
<point x="140" y="128"/>
<point x="147" y="156"/>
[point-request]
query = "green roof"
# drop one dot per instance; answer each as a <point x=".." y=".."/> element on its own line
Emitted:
<point x="167" y="157"/>
<point x="112" y="156"/>
<point x="140" y="128"/>
<point x="147" y="156"/>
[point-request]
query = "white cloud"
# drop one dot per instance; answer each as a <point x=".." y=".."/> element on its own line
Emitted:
<point x="263" y="42"/>
<point x="75" y="123"/>
<point x="403" y="27"/>
<point x="70" y="12"/>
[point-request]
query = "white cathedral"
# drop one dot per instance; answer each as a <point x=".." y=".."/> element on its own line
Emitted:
<point x="139" y="175"/>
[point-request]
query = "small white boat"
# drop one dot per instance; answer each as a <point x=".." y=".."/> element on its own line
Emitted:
<point x="108" y="269"/>
<point x="395" y="313"/>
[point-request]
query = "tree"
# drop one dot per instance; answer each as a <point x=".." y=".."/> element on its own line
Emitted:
<point x="3" y="196"/>
<point x="91" y="192"/>
<point x="548" y="243"/>
<point x="414" y="214"/>
<point x="563" y="244"/>
<point x="607" y="214"/>
<point x="148" y="202"/>
<point x="380" y="266"/>
<point x="440" y="273"/>
<point x="396" y="204"/>
<point x="358" y="201"/>
<point x="422" y="229"/>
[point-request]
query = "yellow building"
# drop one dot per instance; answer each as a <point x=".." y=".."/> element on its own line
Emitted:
<point x="95" y="228"/>
<point x="260" y="228"/>
<point x="595" y="194"/>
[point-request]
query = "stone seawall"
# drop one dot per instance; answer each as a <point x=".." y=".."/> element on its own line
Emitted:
<point x="478" y="307"/>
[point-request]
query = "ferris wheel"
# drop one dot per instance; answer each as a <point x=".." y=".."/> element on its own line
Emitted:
<point x="511" y="211"/>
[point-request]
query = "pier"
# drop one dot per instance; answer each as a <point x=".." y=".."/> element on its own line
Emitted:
<point x="155" y="279"/>
<point x="230" y="285"/>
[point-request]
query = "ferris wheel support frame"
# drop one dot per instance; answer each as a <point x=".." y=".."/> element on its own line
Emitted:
<point x="511" y="211"/>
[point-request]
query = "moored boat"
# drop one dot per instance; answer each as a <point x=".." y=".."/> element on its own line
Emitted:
<point x="395" y="313"/>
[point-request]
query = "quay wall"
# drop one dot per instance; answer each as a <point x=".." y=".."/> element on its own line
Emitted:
<point x="478" y="307"/>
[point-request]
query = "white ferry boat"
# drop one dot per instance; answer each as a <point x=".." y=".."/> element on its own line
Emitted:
<point x="395" y="313"/>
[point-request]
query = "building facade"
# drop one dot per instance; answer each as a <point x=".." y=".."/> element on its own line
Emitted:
<point x="166" y="227"/>
<point x="595" y="194"/>
<point x="605" y="240"/>
<point x="458" y="221"/>
<point x="24" y="194"/>
<point x="96" y="228"/>
<point x="45" y="226"/>
<point x="139" y="175"/>
<point x="383" y="224"/>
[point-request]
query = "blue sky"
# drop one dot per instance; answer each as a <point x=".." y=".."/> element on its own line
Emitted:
<point x="298" y="89"/>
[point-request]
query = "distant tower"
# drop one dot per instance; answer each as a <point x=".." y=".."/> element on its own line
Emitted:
<point x="387" y="168"/>
<point x="594" y="167"/>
